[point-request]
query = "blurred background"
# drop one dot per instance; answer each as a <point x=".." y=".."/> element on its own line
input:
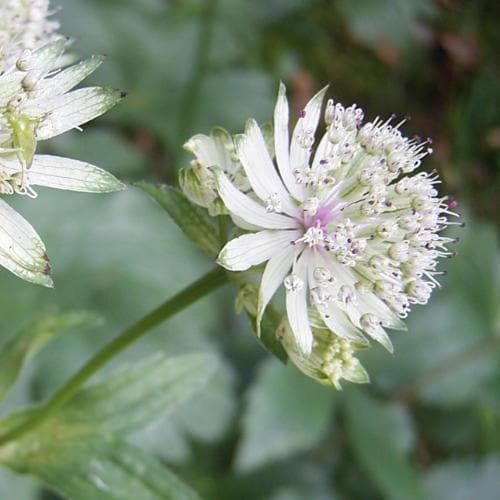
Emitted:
<point x="429" y="424"/>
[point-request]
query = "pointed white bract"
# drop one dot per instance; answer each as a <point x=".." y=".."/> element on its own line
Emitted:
<point x="363" y="229"/>
<point x="214" y="151"/>
<point x="37" y="103"/>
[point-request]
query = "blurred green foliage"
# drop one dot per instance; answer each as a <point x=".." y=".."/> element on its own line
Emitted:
<point x="429" y="425"/>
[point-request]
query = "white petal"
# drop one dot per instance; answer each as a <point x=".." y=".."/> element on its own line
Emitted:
<point x="367" y="302"/>
<point x="323" y="149"/>
<point x="206" y="151"/>
<point x="10" y="86"/>
<point x="244" y="224"/>
<point x="46" y="58"/>
<point x="252" y="249"/>
<point x="296" y="308"/>
<point x="334" y="318"/>
<point x="249" y="210"/>
<point x="299" y="155"/>
<point x="21" y="250"/>
<point x="67" y="79"/>
<point x="340" y="324"/>
<point x="68" y="111"/>
<point x="260" y="169"/>
<point x="282" y="144"/>
<point x="65" y="173"/>
<point x="275" y="272"/>
<point x="380" y="335"/>
<point x="370" y="303"/>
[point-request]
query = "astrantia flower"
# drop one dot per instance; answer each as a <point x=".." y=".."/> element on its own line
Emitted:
<point x="346" y="227"/>
<point x="198" y="181"/>
<point x="37" y="103"/>
<point x="24" y="25"/>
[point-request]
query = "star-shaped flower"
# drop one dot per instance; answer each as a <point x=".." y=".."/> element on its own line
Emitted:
<point x="346" y="227"/>
<point x="37" y="103"/>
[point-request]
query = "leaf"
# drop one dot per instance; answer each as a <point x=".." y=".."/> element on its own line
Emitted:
<point x="133" y="397"/>
<point x="76" y="452"/>
<point x="15" y="352"/>
<point x="98" y="467"/>
<point x="286" y="413"/>
<point x="381" y="444"/>
<point x="194" y="222"/>
<point x="464" y="479"/>
<point x="203" y="419"/>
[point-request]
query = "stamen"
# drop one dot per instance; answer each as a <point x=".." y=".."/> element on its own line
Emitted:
<point x="293" y="283"/>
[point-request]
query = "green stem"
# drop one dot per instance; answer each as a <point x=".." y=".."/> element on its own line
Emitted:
<point x="222" y="230"/>
<point x="183" y="299"/>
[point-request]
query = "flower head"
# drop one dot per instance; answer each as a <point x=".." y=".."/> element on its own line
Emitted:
<point x="37" y="103"/>
<point x="198" y="181"/>
<point x="24" y="25"/>
<point x="345" y="226"/>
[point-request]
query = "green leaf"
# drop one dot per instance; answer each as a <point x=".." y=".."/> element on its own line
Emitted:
<point x="133" y="397"/>
<point x="76" y="451"/>
<point x="15" y="352"/>
<point x="286" y="413"/>
<point x="204" y="419"/>
<point x="379" y="438"/>
<point x="194" y="221"/>
<point x="81" y="467"/>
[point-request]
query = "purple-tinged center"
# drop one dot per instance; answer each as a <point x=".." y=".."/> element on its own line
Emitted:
<point x="322" y="218"/>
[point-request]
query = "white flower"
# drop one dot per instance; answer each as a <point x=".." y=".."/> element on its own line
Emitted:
<point x="37" y="103"/>
<point x="24" y="25"/>
<point x="343" y="228"/>
<point x="198" y="181"/>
